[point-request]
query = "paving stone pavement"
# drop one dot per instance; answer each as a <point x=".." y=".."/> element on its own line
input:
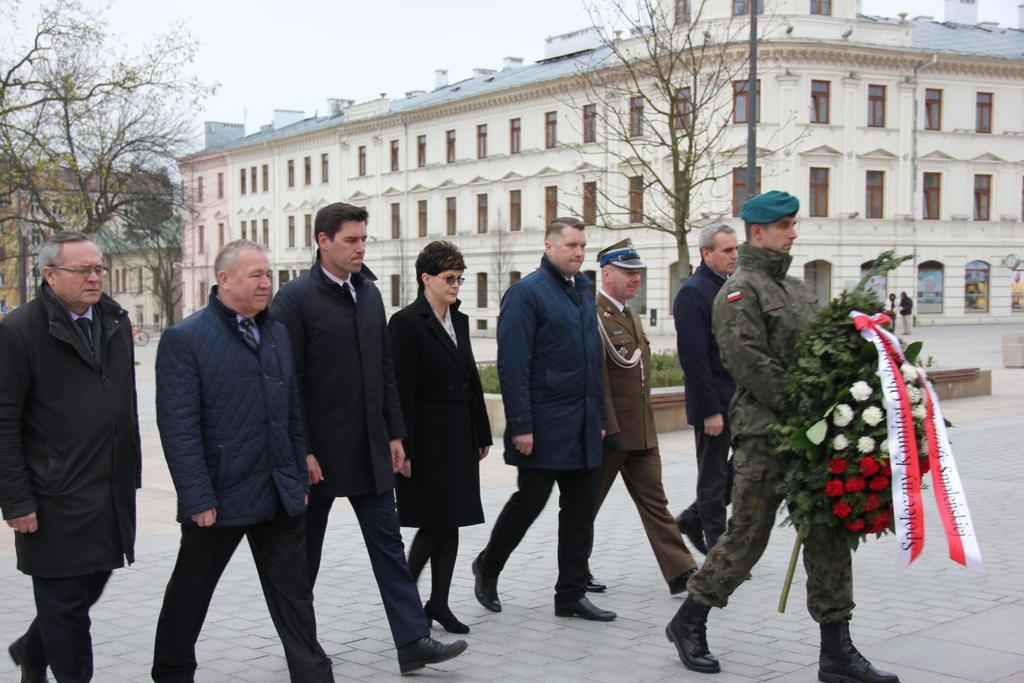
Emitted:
<point x="933" y="622"/>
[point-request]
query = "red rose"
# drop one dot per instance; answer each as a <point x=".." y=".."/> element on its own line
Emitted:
<point x="841" y="510"/>
<point x="834" y="488"/>
<point x="879" y="523"/>
<point x="837" y="465"/>
<point x="855" y="525"/>
<point x="886" y="469"/>
<point x="854" y="485"/>
<point x="868" y="466"/>
<point x="871" y="503"/>
<point x="878" y="483"/>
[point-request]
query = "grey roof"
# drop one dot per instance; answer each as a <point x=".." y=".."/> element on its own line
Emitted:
<point x="986" y="41"/>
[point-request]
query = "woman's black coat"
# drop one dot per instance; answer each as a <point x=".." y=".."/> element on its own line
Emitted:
<point x="445" y="418"/>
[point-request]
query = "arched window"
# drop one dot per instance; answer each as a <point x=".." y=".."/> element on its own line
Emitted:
<point x="818" y="276"/>
<point x="879" y="284"/>
<point x="976" y="283"/>
<point x="930" y="279"/>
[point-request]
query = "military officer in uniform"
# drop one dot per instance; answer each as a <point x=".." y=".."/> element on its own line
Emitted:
<point x="631" y="445"/>
<point x="758" y="318"/>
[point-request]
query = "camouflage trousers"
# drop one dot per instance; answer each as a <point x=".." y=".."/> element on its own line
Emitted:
<point x="827" y="560"/>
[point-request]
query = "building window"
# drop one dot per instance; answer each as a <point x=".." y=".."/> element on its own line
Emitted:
<point x="266" y="232"/>
<point x="876" y="106"/>
<point x="932" y="196"/>
<point x="550" y="204"/>
<point x="818" y="276"/>
<point x="682" y="11"/>
<point x="878" y="284"/>
<point x="739" y="188"/>
<point x="394" y="155"/>
<point x="252" y="178"/>
<point x="481" y="141"/>
<point x="930" y="278"/>
<point x="682" y="109"/>
<point x="220" y="235"/>
<point x="291" y="231"/>
<point x="636" y="116"/>
<point x="550" y="129"/>
<point x="307" y="225"/>
<point x="201" y="238"/>
<point x="449" y="138"/>
<point x="451" y="223"/>
<point x="976" y="281"/>
<point x="822" y="7"/>
<point x="481" y="290"/>
<point x="515" y="130"/>
<point x="291" y="173"/>
<point x="481" y="213"/>
<point x="819" y="192"/>
<point x="1017" y="290"/>
<point x="590" y="203"/>
<point x="241" y="181"/>
<point x="199" y="188"/>
<point x="421" y="151"/>
<point x="396" y="220"/>
<point x="982" y="197"/>
<point x="820" y="91"/>
<point x="220" y="185"/>
<point x="243" y="230"/>
<point x="362" y="160"/>
<point x="307" y="171"/>
<point x="589" y="123"/>
<point x="741" y="8"/>
<point x="421" y="218"/>
<point x="515" y="209"/>
<point x="396" y="290"/>
<point x="932" y="109"/>
<point x="266" y="177"/>
<point x="514" y="276"/>
<point x="875" y="201"/>
<point x="324" y="169"/>
<point x="983" y="118"/>
<point x="636" y="199"/>
<point x="740" y="102"/>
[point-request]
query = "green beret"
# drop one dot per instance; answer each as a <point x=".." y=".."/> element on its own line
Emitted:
<point x="769" y="207"/>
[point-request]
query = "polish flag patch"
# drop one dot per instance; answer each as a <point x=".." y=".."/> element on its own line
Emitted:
<point x="733" y="297"/>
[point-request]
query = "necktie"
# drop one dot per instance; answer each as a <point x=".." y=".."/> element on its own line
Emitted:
<point x="85" y="325"/>
<point x="346" y="289"/>
<point x="247" y="334"/>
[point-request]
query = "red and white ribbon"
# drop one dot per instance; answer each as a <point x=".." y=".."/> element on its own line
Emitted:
<point x="908" y="509"/>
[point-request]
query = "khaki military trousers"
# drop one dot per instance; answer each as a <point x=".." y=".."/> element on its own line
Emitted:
<point x="641" y="472"/>
<point x="755" y="502"/>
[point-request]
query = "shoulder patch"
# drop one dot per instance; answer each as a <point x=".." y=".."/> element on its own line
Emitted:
<point x="733" y="297"/>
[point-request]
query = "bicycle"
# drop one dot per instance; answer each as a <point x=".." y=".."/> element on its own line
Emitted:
<point x="140" y="336"/>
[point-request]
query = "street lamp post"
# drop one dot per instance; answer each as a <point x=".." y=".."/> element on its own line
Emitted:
<point x="752" y="95"/>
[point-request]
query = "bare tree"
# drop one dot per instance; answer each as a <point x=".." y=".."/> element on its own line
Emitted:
<point x="501" y="260"/>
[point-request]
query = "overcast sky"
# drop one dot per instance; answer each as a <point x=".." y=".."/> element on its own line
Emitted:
<point x="267" y="54"/>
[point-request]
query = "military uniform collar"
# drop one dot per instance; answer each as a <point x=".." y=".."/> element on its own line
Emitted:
<point x="773" y="263"/>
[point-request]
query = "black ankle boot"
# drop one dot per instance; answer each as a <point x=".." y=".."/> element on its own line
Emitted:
<point x="443" y="615"/>
<point x="840" y="662"/>
<point x="688" y="632"/>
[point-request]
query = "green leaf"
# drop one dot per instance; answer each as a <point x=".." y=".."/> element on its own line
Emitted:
<point x="913" y="350"/>
<point x="817" y="433"/>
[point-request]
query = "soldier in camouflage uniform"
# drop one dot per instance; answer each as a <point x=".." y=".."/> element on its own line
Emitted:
<point x="758" y="318"/>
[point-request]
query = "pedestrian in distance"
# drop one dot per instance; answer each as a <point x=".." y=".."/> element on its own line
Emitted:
<point x="906" y="312"/>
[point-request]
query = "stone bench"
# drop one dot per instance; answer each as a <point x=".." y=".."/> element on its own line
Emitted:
<point x="953" y="383"/>
<point x="1013" y="350"/>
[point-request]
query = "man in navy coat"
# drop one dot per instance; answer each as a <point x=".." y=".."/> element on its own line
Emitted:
<point x="549" y="365"/>
<point x="709" y="386"/>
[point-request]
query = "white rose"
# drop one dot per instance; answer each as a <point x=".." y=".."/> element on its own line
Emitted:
<point x="884" y="447"/>
<point x="914" y="393"/>
<point x="861" y="391"/>
<point x="843" y="415"/>
<point x="839" y="443"/>
<point x="909" y="373"/>
<point x="872" y="416"/>
<point x="866" y="444"/>
<point x="919" y="412"/>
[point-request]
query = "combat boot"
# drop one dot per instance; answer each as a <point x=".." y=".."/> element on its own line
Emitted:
<point x="688" y="632"/>
<point x="840" y="662"/>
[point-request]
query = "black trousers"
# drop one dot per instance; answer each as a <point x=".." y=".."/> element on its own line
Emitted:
<point x="576" y="501"/>
<point x="59" y="635"/>
<point x="714" y="483"/>
<point x="278" y="549"/>
<point x="378" y="521"/>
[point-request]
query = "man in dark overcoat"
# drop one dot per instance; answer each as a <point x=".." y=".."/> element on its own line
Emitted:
<point x="70" y="460"/>
<point x="354" y="430"/>
<point x="549" y="364"/>
<point x="709" y="386"/>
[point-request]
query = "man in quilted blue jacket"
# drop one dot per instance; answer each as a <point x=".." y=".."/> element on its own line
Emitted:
<point x="227" y="403"/>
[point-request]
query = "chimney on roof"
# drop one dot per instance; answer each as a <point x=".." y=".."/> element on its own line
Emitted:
<point x="286" y="117"/>
<point x="962" y="12"/>
<point x="440" y="78"/>
<point x="1020" y="16"/>
<point x="335" y="105"/>
<point x="513" y="62"/>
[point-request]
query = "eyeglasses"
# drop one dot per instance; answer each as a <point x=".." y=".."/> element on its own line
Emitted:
<point x="84" y="271"/>
<point x="453" y="279"/>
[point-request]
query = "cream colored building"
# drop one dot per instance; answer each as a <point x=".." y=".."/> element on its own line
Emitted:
<point x="903" y="134"/>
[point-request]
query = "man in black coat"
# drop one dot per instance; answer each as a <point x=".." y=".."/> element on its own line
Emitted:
<point x="70" y="460"/>
<point x="354" y="430"/>
<point x="709" y="386"/>
<point x="227" y="406"/>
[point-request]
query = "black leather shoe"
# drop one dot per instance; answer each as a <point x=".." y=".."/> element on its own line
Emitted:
<point x="840" y="662"/>
<point x="689" y="633"/>
<point x="444" y="616"/>
<point x="485" y="588"/>
<point x="678" y="584"/>
<point x="595" y="586"/>
<point x="426" y="650"/>
<point x="694" y="534"/>
<point x="584" y="609"/>
<point x="29" y="673"/>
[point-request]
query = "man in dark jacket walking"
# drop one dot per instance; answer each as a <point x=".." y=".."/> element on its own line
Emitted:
<point x="354" y="430"/>
<point x="227" y="402"/>
<point x="549" y="364"/>
<point x="69" y="451"/>
<point x="709" y="386"/>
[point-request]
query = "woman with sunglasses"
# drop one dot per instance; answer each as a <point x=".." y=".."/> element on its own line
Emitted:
<point x="445" y="421"/>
